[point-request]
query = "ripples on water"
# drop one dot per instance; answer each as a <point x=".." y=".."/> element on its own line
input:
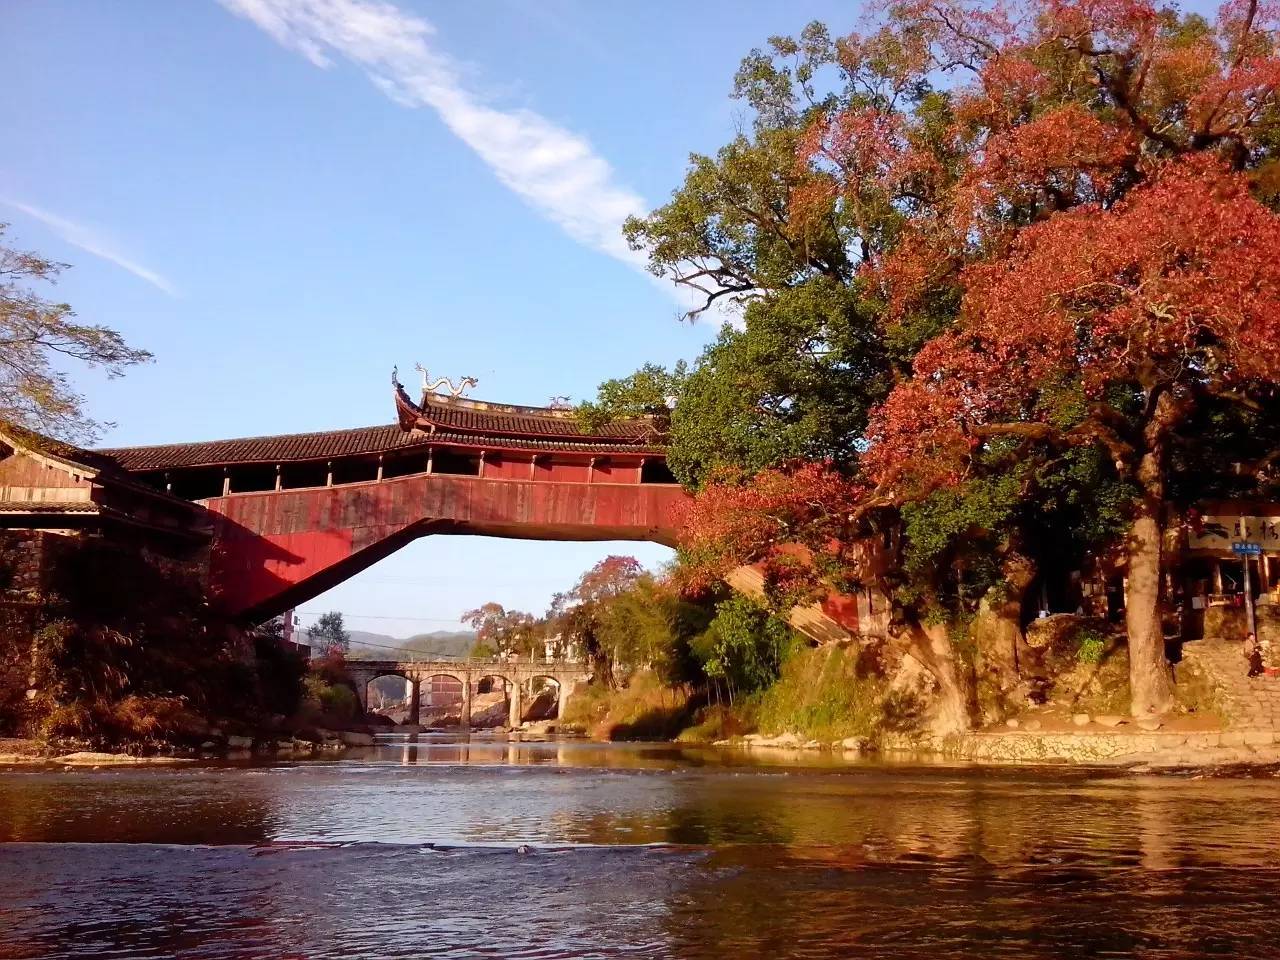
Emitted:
<point x="579" y="850"/>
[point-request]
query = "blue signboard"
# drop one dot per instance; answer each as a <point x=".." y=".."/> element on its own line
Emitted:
<point x="1246" y="548"/>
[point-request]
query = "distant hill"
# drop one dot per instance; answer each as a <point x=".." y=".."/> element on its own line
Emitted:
<point x="439" y="643"/>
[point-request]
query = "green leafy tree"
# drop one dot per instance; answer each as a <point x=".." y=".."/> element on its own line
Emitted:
<point x="744" y="646"/>
<point x="329" y="635"/>
<point x="500" y="631"/>
<point x="37" y="333"/>
<point x="1008" y="230"/>
<point x="581" y="612"/>
<point x="650" y="393"/>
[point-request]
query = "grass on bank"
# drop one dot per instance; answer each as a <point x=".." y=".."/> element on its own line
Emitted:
<point x="823" y="693"/>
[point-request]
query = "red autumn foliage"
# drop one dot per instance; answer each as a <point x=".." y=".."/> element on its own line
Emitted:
<point x="1178" y="285"/>
<point x="764" y="519"/>
<point x="1070" y="102"/>
<point x="1061" y="158"/>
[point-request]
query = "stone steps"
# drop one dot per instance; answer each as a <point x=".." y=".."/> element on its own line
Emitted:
<point x="1251" y="703"/>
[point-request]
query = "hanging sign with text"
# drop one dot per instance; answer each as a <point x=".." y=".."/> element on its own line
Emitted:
<point x="1222" y="532"/>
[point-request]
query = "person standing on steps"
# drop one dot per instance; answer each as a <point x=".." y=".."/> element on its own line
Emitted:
<point x="1253" y="654"/>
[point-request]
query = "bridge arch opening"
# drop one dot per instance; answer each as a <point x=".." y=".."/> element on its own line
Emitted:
<point x="408" y="608"/>
<point x="440" y="700"/>
<point x="543" y="698"/>
<point x="387" y="694"/>
<point x="491" y="703"/>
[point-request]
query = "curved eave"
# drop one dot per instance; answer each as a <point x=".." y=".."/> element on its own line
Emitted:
<point x="410" y="415"/>
<point x="520" y="445"/>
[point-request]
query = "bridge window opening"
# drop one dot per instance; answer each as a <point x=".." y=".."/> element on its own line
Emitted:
<point x="656" y="471"/>
<point x="253" y="479"/>
<point x="296" y="476"/>
<point x="200" y="484"/>
<point x="403" y="466"/>
<point x="355" y="471"/>
<point x="156" y="481"/>
<point x="467" y="465"/>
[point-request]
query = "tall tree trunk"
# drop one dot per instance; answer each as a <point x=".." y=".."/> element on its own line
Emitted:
<point x="931" y="645"/>
<point x="1150" y="676"/>
<point x="997" y="627"/>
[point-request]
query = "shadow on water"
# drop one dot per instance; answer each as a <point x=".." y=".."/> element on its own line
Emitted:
<point x="435" y="847"/>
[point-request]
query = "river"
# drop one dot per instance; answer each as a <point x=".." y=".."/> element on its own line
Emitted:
<point x="574" y="849"/>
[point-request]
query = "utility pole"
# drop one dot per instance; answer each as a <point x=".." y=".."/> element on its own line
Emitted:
<point x="1248" y="585"/>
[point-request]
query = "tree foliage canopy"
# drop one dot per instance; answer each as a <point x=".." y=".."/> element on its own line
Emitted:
<point x="35" y="335"/>
<point x="1007" y="281"/>
<point x="328" y="635"/>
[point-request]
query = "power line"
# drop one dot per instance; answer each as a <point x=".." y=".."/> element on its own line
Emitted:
<point x="426" y="653"/>
<point x="377" y="616"/>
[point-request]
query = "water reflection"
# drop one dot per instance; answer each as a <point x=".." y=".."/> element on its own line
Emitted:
<point x="414" y="850"/>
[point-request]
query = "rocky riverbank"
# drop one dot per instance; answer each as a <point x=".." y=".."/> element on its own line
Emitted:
<point x="1138" y="751"/>
<point x="310" y="743"/>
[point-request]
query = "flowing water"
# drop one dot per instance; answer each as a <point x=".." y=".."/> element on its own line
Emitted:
<point x="586" y="850"/>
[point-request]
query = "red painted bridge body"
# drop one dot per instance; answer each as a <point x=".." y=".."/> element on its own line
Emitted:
<point x="283" y="518"/>
<point x="273" y="550"/>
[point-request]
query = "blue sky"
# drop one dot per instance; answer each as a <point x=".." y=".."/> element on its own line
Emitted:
<point x="284" y="198"/>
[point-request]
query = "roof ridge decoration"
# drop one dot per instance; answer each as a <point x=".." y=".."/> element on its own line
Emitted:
<point x="430" y="386"/>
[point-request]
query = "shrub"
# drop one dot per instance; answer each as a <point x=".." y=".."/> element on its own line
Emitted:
<point x="1092" y="645"/>
<point x="824" y="694"/>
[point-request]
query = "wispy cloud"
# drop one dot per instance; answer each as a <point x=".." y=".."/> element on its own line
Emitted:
<point x="91" y="241"/>
<point x="554" y="169"/>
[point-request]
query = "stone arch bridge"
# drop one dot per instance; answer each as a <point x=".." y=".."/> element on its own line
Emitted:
<point x="567" y="674"/>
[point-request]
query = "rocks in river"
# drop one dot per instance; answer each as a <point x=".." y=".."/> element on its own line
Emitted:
<point x="353" y="739"/>
<point x="1081" y="719"/>
<point x="1033" y="725"/>
<point x="781" y="740"/>
<point x="1109" y="720"/>
<point x="855" y="744"/>
<point x="1150" y="723"/>
<point x="1013" y="723"/>
<point x="88" y="758"/>
<point x="239" y="743"/>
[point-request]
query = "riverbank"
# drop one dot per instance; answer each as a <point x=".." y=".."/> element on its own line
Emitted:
<point x="70" y="752"/>
<point x="1139" y="752"/>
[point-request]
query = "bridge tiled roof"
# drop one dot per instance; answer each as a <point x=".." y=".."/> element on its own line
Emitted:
<point x="436" y="412"/>
<point x="473" y="416"/>
<point x="283" y="448"/>
<point x="329" y="445"/>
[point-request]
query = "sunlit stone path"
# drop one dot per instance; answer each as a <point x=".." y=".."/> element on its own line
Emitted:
<point x="1251" y="703"/>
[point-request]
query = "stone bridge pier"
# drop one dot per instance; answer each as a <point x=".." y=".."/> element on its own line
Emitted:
<point x="516" y="674"/>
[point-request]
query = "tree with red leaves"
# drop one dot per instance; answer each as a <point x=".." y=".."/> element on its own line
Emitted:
<point x="1137" y="313"/>
<point x="1049" y="223"/>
